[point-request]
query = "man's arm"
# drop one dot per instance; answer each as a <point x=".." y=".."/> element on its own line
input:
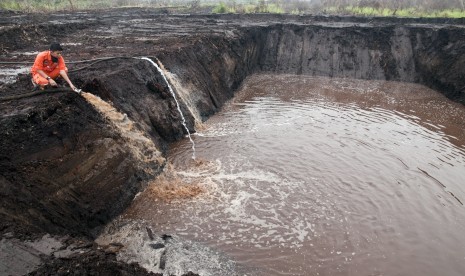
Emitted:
<point x="42" y="73"/>
<point x="66" y="78"/>
<point x="37" y="66"/>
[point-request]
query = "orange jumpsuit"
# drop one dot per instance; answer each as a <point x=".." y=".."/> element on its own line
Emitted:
<point x="52" y="69"/>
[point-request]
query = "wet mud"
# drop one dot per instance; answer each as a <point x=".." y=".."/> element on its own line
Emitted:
<point x="67" y="170"/>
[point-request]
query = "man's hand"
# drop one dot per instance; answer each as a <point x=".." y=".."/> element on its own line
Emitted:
<point x="52" y="82"/>
<point x="75" y="89"/>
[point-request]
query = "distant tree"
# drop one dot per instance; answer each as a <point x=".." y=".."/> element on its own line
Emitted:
<point x="396" y="6"/>
<point x="298" y="5"/>
<point x="233" y="4"/>
<point x="370" y="3"/>
<point x="71" y="4"/>
<point x="195" y="4"/>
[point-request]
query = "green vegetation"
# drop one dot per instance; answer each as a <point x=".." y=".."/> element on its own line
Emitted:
<point x="408" y="12"/>
<point x="399" y="8"/>
<point x="57" y="5"/>
<point x="222" y="8"/>
<point x="247" y="8"/>
<point x="10" y="5"/>
<point x="271" y="8"/>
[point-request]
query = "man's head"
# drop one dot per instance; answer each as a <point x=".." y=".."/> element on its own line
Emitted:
<point x="55" y="49"/>
<point x="55" y="46"/>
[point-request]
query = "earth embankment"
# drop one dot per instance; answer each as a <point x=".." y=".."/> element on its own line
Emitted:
<point x="65" y="168"/>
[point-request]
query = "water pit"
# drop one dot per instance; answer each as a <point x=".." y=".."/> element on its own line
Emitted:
<point x="315" y="176"/>
<point x="299" y="175"/>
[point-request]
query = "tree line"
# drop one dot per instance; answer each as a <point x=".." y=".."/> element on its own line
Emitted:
<point x="394" y="4"/>
<point x="383" y="7"/>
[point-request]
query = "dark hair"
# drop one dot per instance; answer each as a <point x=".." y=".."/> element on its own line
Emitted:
<point x="55" y="47"/>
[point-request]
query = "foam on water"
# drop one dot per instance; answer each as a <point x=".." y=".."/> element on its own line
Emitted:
<point x="238" y="195"/>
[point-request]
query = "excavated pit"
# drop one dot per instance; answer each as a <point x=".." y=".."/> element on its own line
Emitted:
<point x="67" y="170"/>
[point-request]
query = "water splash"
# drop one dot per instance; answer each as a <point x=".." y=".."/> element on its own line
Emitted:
<point x="176" y="100"/>
<point x="171" y="187"/>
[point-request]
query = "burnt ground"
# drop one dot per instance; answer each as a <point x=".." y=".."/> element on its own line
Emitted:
<point x="66" y="171"/>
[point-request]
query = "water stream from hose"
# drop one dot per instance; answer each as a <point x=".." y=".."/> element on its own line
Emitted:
<point x="176" y="100"/>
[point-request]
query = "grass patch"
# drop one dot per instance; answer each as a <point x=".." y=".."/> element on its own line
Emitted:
<point x="60" y="5"/>
<point x="56" y="5"/>
<point x="247" y="8"/>
<point x="10" y="5"/>
<point x="271" y="8"/>
<point x="410" y="12"/>
<point x="451" y="13"/>
<point x="229" y="6"/>
<point x="223" y="8"/>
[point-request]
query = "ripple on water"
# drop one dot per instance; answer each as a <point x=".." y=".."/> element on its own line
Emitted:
<point x="311" y="175"/>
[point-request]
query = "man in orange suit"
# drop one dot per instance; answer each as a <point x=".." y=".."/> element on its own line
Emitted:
<point x="48" y="66"/>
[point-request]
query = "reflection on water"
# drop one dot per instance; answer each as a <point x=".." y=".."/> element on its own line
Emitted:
<point x="316" y="176"/>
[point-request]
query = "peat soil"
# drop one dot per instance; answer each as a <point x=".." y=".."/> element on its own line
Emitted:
<point x="64" y="168"/>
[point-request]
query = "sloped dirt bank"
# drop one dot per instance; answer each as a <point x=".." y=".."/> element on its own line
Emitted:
<point x="67" y="170"/>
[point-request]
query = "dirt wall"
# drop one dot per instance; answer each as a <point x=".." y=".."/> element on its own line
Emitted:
<point x="214" y="67"/>
<point x="63" y="168"/>
<point x="429" y="55"/>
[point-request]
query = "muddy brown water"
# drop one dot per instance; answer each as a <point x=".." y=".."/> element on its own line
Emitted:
<point x="316" y="176"/>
